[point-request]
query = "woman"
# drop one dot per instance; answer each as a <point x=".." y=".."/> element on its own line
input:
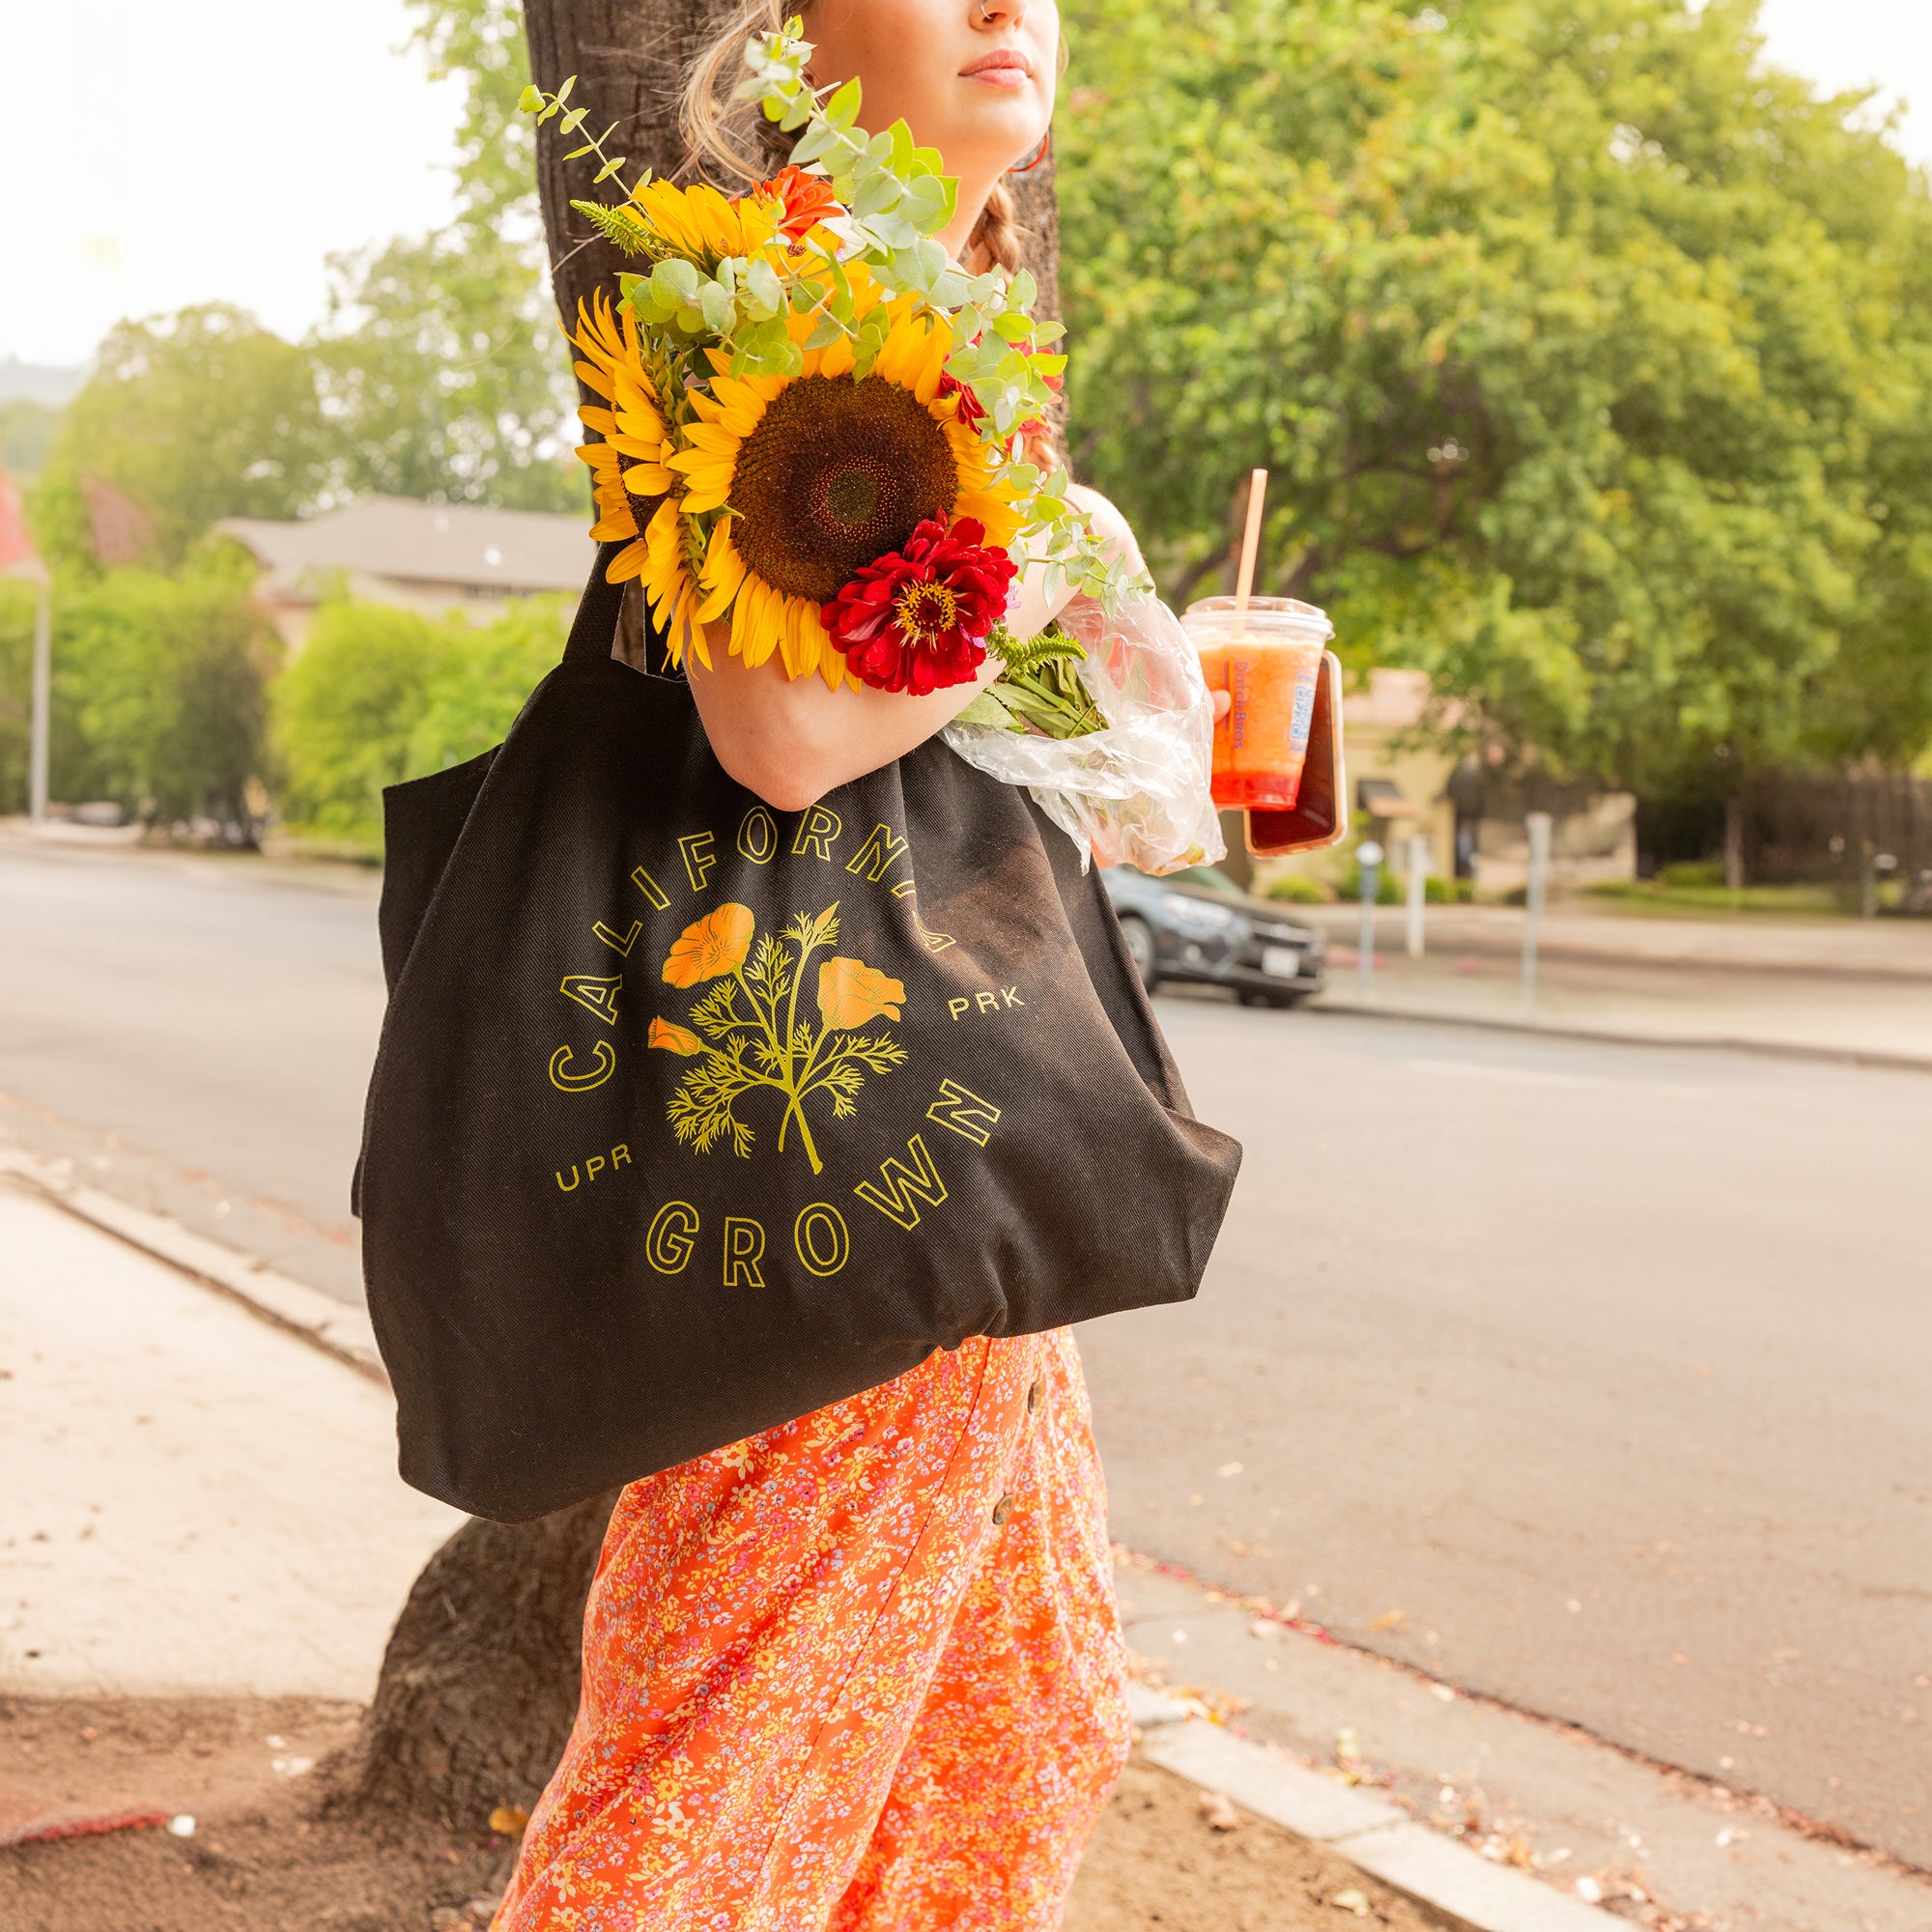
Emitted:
<point x="862" y="1671"/>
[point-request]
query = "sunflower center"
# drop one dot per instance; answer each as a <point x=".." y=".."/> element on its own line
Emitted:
<point x="926" y="609"/>
<point x="835" y="474"/>
<point x="851" y="497"/>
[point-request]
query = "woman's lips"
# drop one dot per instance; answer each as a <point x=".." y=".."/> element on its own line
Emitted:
<point x="1005" y="70"/>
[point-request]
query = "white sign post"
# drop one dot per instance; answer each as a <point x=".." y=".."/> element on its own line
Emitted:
<point x="1539" y="824"/>
<point x="1369" y="857"/>
<point x="1418" y="891"/>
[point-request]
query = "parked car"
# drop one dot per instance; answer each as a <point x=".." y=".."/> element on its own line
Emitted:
<point x="1198" y="924"/>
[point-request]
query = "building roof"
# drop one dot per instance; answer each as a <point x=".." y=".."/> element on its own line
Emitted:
<point x="460" y="547"/>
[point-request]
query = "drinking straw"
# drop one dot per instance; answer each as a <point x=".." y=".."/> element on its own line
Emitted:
<point x="1251" y="542"/>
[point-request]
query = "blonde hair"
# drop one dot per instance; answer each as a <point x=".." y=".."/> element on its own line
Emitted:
<point x="733" y="139"/>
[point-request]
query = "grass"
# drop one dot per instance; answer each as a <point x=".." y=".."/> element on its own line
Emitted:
<point x="1663" y="895"/>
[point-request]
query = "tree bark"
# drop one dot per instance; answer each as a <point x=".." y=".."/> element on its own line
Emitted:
<point x="479" y="1684"/>
<point x="478" y="1687"/>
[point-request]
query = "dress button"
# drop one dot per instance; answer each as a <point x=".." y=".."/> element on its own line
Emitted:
<point x="1002" y="1509"/>
<point x="1033" y="1397"/>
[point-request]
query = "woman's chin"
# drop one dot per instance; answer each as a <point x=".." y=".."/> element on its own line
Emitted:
<point x="999" y="129"/>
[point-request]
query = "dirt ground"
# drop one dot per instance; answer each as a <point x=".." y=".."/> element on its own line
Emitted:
<point x="260" y="1856"/>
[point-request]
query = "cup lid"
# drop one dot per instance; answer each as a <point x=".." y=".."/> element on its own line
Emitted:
<point x="1268" y="616"/>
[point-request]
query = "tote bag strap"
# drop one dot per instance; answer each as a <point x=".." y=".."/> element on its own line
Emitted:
<point x="594" y="630"/>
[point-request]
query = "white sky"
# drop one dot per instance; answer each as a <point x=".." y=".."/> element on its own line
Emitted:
<point x="138" y="211"/>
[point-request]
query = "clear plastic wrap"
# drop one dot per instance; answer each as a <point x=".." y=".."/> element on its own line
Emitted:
<point x="1137" y="792"/>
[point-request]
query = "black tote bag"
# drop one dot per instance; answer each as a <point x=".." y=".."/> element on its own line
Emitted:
<point x="691" y="1116"/>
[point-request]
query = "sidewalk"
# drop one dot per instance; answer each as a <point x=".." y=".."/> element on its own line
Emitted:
<point x="1841" y="988"/>
<point x="195" y="1504"/>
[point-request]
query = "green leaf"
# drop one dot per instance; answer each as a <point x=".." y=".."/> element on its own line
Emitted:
<point x="842" y="109"/>
<point x="676" y="280"/>
<point x="530" y="99"/>
<point x="563" y="92"/>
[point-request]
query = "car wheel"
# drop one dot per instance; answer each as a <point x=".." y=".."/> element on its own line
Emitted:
<point x="1139" y="936"/>
<point x="1283" y="1001"/>
<point x="1251" y="996"/>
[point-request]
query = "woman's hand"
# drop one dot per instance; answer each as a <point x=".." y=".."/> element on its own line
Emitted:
<point x="791" y="741"/>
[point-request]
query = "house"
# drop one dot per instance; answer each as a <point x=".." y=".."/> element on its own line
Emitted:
<point x="1401" y="786"/>
<point x="431" y="558"/>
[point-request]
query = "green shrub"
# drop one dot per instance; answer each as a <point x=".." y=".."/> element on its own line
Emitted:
<point x="1448" y="891"/>
<point x="345" y="713"/>
<point x="380" y="695"/>
<point x="1692" y="872"/>
<point x="159" y="695"/>
<point x="1389" y="888"/>
<point x="484" y="677"/>
<point x="1299" y="889"/>
<point x="16" y="673"/>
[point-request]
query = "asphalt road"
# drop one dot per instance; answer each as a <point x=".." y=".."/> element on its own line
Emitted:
<point x="1593" y="1376"/>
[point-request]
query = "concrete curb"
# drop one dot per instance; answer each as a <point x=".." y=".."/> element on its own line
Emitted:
<point x="1467" y="1889"/>
<point x="319" y="1319"/>
<point x="1769" y="1049"/>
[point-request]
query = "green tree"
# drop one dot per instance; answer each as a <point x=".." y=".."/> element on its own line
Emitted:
<point x="1576" y="340"/>
<point x="440" y="360"/>
<point x="159" y="695"/>
<point x="197" y="416"/>
<point x="344" y="714"/>
<point x="26" y="435"/>
<point x="476" y="691"/>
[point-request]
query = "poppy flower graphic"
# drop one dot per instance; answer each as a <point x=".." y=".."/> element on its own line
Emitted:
<point x="756" y="1036"/>
<point x="674" y="1038"/>
<point x="712" y="946"/>
<point x="850" y="993"/>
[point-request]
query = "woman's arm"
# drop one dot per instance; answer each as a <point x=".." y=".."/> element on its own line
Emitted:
<point x="793" y="740"/>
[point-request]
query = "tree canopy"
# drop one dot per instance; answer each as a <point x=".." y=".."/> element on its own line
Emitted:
<point x="1591" y="359"/>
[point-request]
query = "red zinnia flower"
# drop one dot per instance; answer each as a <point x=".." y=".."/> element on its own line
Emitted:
<point x="972" y="412"/>
<point x="806" y="200"/>
<point x="917" y="619"/>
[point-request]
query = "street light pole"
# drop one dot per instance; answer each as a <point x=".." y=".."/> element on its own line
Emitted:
<point x="44" y="653"/>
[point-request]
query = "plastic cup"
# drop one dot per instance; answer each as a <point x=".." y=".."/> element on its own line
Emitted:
<point x="1269" y="673"/>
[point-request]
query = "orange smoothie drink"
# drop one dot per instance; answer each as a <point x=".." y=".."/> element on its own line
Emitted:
<point x="1269" y="673"/>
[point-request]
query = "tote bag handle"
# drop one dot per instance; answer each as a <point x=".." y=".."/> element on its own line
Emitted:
<point x="595" y="626"/>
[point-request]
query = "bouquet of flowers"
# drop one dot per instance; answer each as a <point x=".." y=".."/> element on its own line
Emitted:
<point x="814" y="426"/>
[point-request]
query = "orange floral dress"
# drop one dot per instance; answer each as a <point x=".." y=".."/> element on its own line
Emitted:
<point x="862" y="1673"/>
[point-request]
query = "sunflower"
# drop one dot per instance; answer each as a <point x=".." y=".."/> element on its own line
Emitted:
<point x="702" y="225"/>
<point x="629" y="479"/>
<point x="628" y="475"/>
<point x="823" y="472"/>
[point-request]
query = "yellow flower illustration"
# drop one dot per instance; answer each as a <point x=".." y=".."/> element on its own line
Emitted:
<point x="763" y="1042"/>
<point x="674" y="1038"/>
<point x="850" y="993"/>
<point x="714" y="945"/>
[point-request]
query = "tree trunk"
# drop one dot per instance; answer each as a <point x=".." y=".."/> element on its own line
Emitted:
<point x="1734" y="842"/>
<point x="479" y="1683"/>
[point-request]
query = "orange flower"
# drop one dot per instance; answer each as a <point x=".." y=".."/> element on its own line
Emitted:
<point x="806" y="199"/>
<point x="850" y="993"/>
<point x="716" y="944"/>
<point x="674" y="1038"/>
